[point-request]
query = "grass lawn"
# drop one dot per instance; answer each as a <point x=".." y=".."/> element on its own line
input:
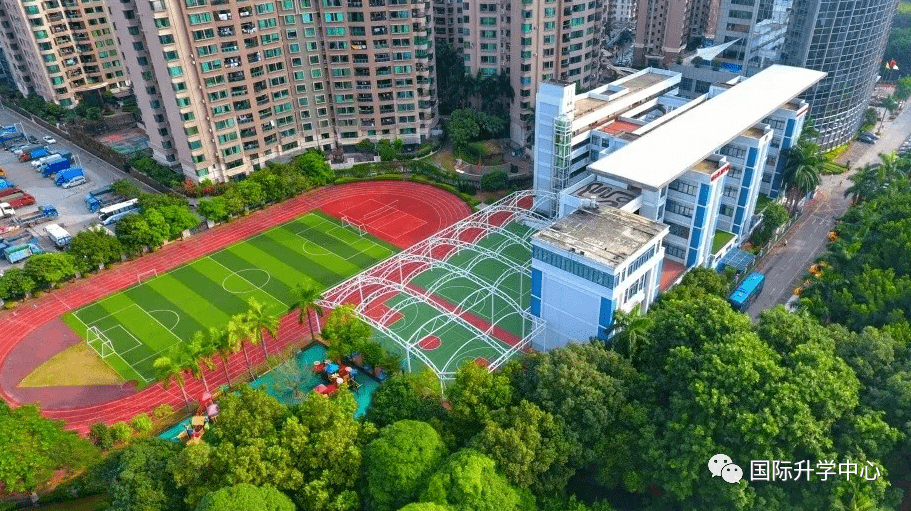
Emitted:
<point x="721" y="239"/>
<point x="58" y="370"/>
<point x="144" y="320"/>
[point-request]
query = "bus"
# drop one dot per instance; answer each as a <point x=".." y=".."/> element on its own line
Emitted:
<point x="115" y="212"/>
<point x="746" y="294"/>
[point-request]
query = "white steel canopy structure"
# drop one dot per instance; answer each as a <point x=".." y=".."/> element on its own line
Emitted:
<point x="387" y="292"/>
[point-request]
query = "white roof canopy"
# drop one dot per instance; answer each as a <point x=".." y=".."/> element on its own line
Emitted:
<point x="663" y="154"/>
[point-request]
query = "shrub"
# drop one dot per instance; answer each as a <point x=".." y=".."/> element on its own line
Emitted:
<point x="121" y="432"/>
<point x="100" y="435"/>
<point x="142" y="423"/>
<point x="494" y="180"/>
<point x="163" y="411"/>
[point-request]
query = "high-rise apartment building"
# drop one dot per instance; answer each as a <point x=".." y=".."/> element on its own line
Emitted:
<point x="757" y="28"/>
<point x="847" y="41"/>
<point x="226" y="85"/>
<point x="664" y="28"/>
<point x="530" y="41"/>
<point x="621" y="15"/>
<point x="61" y="49"/>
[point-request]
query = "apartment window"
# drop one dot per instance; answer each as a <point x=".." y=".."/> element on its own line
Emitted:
<point x="726" y="210"/>
<point x="265" y="8"/>
<point x="730" y="192"/>
<point x="198" y="18"/>
<point x="733" y="151"/>
<point x="683" y="187"/>
<point x="679" y="209"/>
<point x="674" y="251"/>
<point x="678" y="230"/>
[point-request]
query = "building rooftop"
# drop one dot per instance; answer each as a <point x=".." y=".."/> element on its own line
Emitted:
<point x="661" y="155"/>
<point x="619" y="126"/>
<point x="753" y="133"/>
<point x="620" y="94"/>
<point x="606" y="195"/>
<point x="606" y="235"/>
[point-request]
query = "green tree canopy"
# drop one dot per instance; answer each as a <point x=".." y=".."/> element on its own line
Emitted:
<point x="16" y="283"/>
<point x="314" y="167"/>
<point x="474" y="395"/>
<point x="247" y="497"/>
<point x="425" y="506"/>
<point x="406" y="396"/>
<point x="399" y="461"/>
<point x="93" y="248"/>
<point x="179" y="218"/>
<point x="50" y="268"/>
<point x="469" y="481"/>
<point x="144" y="481"/>
<point x="33" y="449"/>
<point x="214" y="209"/>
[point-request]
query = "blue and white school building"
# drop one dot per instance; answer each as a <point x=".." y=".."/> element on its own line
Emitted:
<point x="642" y="181"/>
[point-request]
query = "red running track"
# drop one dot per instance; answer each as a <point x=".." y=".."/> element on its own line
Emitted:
<point x="419" y="211"/>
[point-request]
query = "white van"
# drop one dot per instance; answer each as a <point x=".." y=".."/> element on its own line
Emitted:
<point x="58" y="235"/>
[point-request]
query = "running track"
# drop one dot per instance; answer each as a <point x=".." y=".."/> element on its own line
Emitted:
<point x="436" y="208"/>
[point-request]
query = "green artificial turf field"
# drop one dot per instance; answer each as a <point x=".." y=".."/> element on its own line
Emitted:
<point x="460" y="343"/>
<point x="146" y="319"/>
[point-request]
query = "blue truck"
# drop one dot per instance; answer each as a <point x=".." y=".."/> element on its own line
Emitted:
<point x="6" y="183"/>
<point x="20" y="251"/>
<point x="67" y="174"/>
<point x="102" y="197"/>
<point x="55" y="166"/>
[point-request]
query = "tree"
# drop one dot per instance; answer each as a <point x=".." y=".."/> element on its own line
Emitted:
<point x="399" y="461"/>
<point x="171" y="367"/>
<point x="698" y="283"/>
<point x="306" y="296"/>
<point x="93" y="249"/>
<point x="33" y="449"/>
<point x="200" y="350"/>
<point x="627" y="330"/>
<point x="588" y="390"/>
<point x="144" y="481"/>
<point x="16" y="283"/>
<point x="529" y="447"/>
<point x="773" y="217"/>
<point x="237" y="332"/>
<point x="247" y="497"/>
<point x="134" y="233"/>
<point x="406" y="396"/>
<point x="903" y="89"/>
<point x="425" y="506"/>
<point x="214" y="209"/>
<point x="149" y="201"/>
<point x="474" y="396"/>
<point x="462" y="128"/>
<point x="179" y="219"/>
<point x="159" y="231"/>
<point x="344" y="332"/>
<point x="257" y="319"/>
<point x="802" y="167"/>
<point x="494" y="180"/>
<point x="234" y="201"/>
<point x="252" y="192"/>
<point x="469" y="481"/>
<point x="225" y="345"/>
<point x="126" y="187"/>
<point x="50" y="268"/>
<point x="314" y="167"/>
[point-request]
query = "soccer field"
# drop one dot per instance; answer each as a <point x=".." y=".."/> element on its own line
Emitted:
<point x="148" y="318"/>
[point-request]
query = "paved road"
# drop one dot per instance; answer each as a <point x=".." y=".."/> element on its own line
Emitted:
<point x="790" y="259"/>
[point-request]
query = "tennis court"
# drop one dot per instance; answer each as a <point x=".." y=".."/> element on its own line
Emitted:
<point x="130" y="328"/>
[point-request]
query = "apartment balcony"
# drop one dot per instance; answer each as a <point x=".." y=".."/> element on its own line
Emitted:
<point x="245" y="12"/>
<point x="262" y="100"/>
<point x="387" y="121"/>
<point x="365" y="123"/>
<point x="355" y="3"/>
<point x="236" y="76"/>
<point x="361" y="60"/>
<point x="222" y="15"/>
<point x="365" y="98"/>
<point x="229" y="47"/>
<point x="226" y="31"/>
<point x="247" y="28"/>
<point x="251" y="145"/>
<point x="365" y="110"/>
<point x="377" y="3"/>
<point x="232" y="62"/>
<point x="67" y="51"/>
<point x="254" y="57"/>
<point x="248" y="132"/>
<point x="85" y="48"/>
<point x="240" y="106"/>
<point x="238" y="91"/>
<point x="250" y="42"/>
<point x="385" y="96"/>
<point x="245" y="119"/>
<point x="54" y="17"/>
<point x="389" y="109"/>
<point x="377" y="16"/>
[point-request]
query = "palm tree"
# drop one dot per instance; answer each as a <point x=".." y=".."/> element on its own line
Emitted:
<point x="258" y="319"/>
<point x="306" y="296"/>
<point x="225" y="346"/>
<point x="802" y="167"/>
<point x="199" y="351"/>
<point x="627" y="331"/>
<point x="237" y="332"/>
<point x="171" y="366"/>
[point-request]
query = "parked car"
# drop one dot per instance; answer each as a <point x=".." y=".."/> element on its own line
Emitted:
<point x="49" y="139"/>
<point x="76" y="181"/>
<point x="870" y="135"/>
<point x="865" y="139"/>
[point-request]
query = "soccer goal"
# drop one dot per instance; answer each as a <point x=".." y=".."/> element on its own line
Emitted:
<point x="361" y="228"/>
<point x="99" y="342"/>
<point x="146" y="275"/>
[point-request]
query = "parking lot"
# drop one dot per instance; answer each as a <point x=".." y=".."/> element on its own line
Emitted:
<point x="70" y="204"/>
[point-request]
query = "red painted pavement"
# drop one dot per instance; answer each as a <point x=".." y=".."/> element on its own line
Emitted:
<point x="430" y="210"/>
